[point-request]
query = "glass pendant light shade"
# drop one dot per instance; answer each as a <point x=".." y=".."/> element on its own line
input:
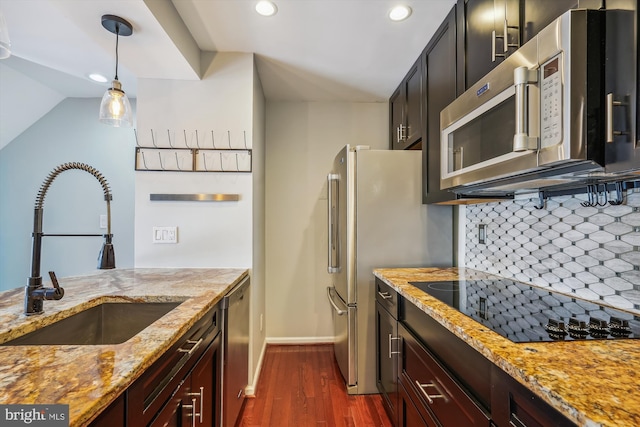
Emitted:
<point x="115" y="109"/>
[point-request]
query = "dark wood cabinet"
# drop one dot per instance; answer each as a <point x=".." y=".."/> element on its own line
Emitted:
<point x="494" y="29"/>
<point x="406" y="110"/>
<point x="622" y="150"/>
<point x="183" y="380"/>
<point x="387" y="347"/>
<point x="514" y="405"/>
<point x="491" y="32"/>
<point x="535" y="16"/>
<point x="436" y="394"/>
<point x="441" y="88"/>
<point x="113" y="416"/>
<point x="408" y="414"/>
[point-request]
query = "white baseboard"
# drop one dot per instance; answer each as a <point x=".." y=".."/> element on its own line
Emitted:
<point x="300" y="340"/>
<point x="250" y="390"/>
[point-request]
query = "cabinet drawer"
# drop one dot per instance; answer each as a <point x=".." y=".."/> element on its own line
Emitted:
<point x="387" y="297"/>
<point x="435" y="389"/>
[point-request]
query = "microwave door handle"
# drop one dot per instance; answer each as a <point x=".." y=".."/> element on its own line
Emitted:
<point x="332" y="202"/>
<point x="522" y="76"/>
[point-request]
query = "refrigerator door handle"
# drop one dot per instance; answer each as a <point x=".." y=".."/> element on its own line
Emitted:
<point x="332" y="202"/>
<point x="339" y="312"/>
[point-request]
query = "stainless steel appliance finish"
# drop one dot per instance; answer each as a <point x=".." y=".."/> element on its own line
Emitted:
<point x="540" y="115"/>
<point x="235" y="350"/>
<point x="375" y="219"/>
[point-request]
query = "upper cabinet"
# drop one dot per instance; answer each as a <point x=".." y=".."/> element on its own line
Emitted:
<point x="475" y="37"/>
<point x="440" y="59"/>
<point x="485" y="24"/>
<point x="406" y="110"/>
<point x="494" y="29"/>
<point x="535" y="17"/>
<point x="622" y="150"/>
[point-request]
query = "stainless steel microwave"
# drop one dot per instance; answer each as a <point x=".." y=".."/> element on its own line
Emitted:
<point x="541" y="118"/>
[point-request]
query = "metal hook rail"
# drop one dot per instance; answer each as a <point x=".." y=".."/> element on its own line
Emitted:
<point x="598" y="195"/>
<point x="194" y="153"/>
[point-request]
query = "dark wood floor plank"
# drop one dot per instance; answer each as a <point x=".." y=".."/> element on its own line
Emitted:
<point x="301" y="386"/>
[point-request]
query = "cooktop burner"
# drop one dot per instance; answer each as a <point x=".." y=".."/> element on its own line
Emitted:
<point x="524" y="313"/>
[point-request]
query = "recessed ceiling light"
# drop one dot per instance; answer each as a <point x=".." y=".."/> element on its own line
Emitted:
<point x="98" y="78"/>
<point x="400" y="13"/>
<point x="266" y="8"/>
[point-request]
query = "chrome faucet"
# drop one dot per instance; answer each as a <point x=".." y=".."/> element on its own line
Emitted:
<point x="35" y="293"/>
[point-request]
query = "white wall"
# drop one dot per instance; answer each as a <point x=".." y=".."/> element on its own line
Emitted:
<point x="210" y="234"/>
<point x="258" y="293"/>
<point x="229" y="98"/>
<point x="302" y="140"/>
<point x="26" y="94"/>
<point x="70" y="132"/>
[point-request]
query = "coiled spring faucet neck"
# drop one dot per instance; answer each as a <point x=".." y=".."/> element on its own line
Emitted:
<point x="35" y="293"/>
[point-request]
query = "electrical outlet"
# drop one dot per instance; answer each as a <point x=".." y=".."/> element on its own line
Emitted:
<point x="103" y="221"/>
<point x="482" y="233"/>
<point x="261" y="322"/>
<point x="165" y="234"/>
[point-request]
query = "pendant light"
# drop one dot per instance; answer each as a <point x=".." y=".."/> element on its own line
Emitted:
<point x="115" y="109"/>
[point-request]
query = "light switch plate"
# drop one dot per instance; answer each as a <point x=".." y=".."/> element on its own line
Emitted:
<point x="165" y="234"/>
<point x="103" y="221"/>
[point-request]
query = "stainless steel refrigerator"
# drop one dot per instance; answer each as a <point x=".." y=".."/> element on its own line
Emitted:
<point x="376" y="219"/>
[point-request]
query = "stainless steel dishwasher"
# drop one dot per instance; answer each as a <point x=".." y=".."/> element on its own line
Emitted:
<point x="235" y="350"/>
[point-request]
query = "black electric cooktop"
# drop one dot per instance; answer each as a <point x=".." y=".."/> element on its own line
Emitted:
<point x="524" y="313"/>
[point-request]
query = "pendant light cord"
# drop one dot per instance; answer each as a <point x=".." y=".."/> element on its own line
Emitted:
<point x="117" y="37"/>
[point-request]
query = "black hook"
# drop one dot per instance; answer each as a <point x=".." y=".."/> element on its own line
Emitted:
<point x="619" y="185"/>
<point x="605" y="195"/>
<point x="541" y="200"/>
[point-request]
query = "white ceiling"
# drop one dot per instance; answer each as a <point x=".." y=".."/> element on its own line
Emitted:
<point x="314" y="50"/>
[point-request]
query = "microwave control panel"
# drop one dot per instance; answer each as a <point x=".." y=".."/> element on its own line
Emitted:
<point x="551" y="102"/>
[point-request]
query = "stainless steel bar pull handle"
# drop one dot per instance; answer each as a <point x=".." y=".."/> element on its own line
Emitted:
<point x="430" y="397"/>
<point x="522" y="76"/>
<point x="201" y="396"/>
<point x="332" y="202"/>
<point x="609" y="132"/>
<point x="391" y="339"/>
<point x="196" y="344"/>
<point x="384" y="295"/>
<point x="193" y="411"/>
<point x="495" y="55"/>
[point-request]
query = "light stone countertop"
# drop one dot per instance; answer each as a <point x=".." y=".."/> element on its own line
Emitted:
<point x="89" y="378"/>
<point x="593" y="383"/>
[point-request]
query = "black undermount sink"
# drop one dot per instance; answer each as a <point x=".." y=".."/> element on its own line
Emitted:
<point x="107" y="323"/>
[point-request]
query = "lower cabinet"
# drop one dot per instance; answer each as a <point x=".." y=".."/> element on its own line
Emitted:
<point x="113" y="416"/>
<point x="408" y="414"/>
<point x="427" y="376"/>
<point x="182" y="388"/>
<point x="195" y="401"/>
<point x="515" y="406"/>
<point x="387" y="360"/>
<point x="436" y="395"/>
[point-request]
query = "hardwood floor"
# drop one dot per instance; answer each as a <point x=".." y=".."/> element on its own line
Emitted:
<point x="301" y="385"/>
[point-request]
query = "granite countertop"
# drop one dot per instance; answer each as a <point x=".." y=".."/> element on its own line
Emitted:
<point x="89" y="378"/>
<point x="593" y="383"/>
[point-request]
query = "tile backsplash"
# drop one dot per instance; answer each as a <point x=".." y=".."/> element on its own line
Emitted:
<point x="590" y="252"/>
